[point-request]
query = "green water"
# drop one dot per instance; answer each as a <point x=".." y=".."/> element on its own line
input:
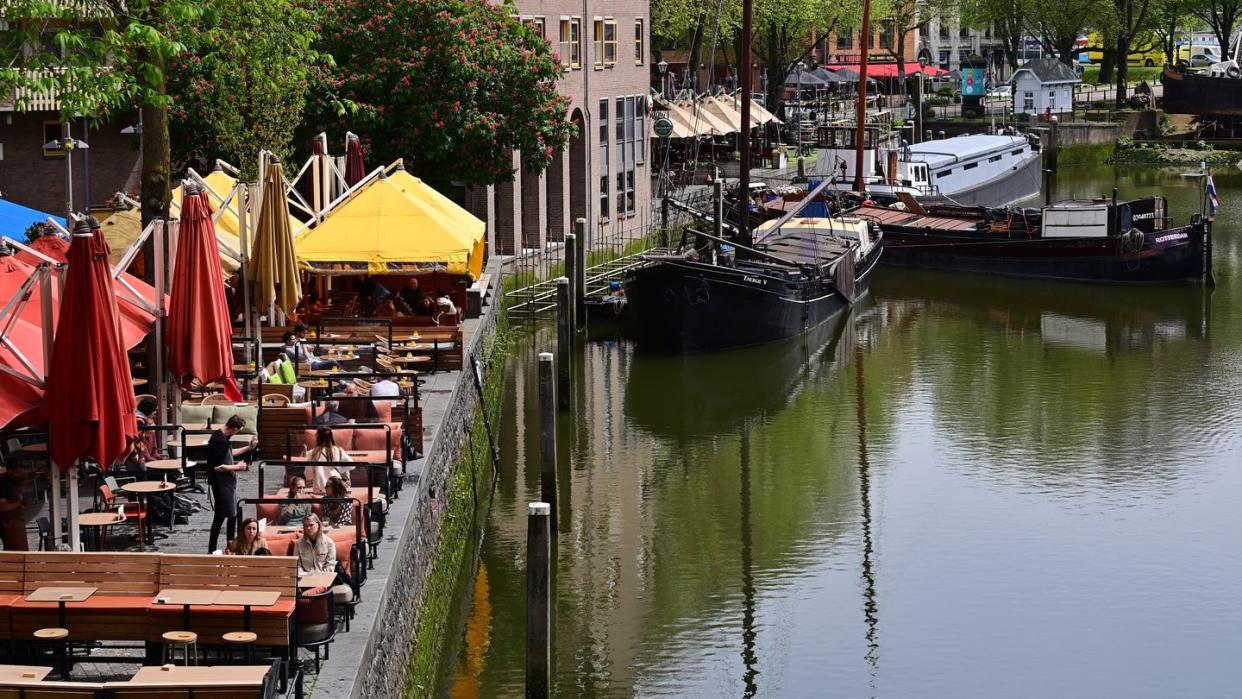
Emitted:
<point x="972" y="486"/>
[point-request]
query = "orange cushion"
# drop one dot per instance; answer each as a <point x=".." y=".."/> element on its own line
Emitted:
<point x="8" y="600"/>
<point x="282" y="608"/>
<point x="383" y="409"/>
<point x="373" y="439"/>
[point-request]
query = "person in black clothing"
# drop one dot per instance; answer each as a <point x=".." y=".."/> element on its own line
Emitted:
<point x="12" y="523"/>
<point x="222" y="477"/>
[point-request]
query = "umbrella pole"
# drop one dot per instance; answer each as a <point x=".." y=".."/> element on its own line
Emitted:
<point x="45" y="303"/>
<point x="75" y="543"/>
<point x="158" y="240"/>
<point x="53" y="501"/>
<point x="243" y="210"/>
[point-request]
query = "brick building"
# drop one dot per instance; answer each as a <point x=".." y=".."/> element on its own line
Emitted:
<point x="34" y="176"/>
<point x="603" y="175"/>
<point x="845" y="45"/>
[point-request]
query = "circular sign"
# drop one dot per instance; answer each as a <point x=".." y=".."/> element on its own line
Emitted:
<point x="663" y="127"/>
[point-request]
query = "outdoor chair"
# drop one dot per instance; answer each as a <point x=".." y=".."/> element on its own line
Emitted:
<point x="217" y="399"/>
<point x="316" y="623"/>
<point x="275" y="400"/>
<point x="134" y="513"/>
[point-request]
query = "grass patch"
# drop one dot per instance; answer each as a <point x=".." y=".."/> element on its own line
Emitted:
<point x="1137" y="74"/>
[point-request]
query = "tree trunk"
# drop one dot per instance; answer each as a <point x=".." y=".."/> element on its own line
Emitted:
<point x="1170" y="43"/>
<point x="1108" y="61"/>
<point x="900" y="35"/>
<point x="1123" y="68"/>
<point x="694" y="55"/>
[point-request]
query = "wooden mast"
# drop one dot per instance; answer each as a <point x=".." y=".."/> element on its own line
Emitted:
<point x="864" y="39"/>
<point x="743" y="195"/>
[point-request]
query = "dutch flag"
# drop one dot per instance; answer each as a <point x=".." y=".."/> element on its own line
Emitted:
<point x="1213" y="200"/>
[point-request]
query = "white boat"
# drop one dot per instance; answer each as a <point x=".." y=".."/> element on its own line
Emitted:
<point x="975" y="170"/>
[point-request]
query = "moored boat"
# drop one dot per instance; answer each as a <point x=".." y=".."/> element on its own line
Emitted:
<point x="795" y="279"/>
<point x="1097" y="240"/>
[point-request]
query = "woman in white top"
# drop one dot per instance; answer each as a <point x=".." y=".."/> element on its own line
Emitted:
<point x="325" y="450"/>
<point x="315" y="551"/>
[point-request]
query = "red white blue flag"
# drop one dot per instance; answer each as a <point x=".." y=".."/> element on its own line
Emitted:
<point x="1213" y="200"/>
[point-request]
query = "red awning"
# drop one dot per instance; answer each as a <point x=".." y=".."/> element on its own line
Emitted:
<point x="90" y="395"/>
<point x="199" y="334"/>
<point x="882" y="71"/>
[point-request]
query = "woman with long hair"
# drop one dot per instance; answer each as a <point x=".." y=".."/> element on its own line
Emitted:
<point x="315" y="551"/>
<point x="325" y="450"/>
<point x="338" y="514"/>
<point x="248" y="541"/>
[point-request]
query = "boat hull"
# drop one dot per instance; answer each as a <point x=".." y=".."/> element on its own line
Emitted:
<point x="1010" y="187"/>
<point x="1187" y="93"/>
<point x="1172" y="255"/>
<point x="684" y="306"/>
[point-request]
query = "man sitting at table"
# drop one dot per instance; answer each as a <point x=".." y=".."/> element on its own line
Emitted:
<point x="297" y="352"/>
<point x="331" y="414"/>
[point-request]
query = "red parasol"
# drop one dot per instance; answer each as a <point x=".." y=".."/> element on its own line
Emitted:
<point x="199" y="333"/>
<point x="354" y="168"/>
<point x="90" y="396"/>
<point x="20" y="334"/>
<point x="135" y="322"/>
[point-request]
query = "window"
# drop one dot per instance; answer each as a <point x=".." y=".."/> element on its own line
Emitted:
<point x="845" y="38"/>
<point x="628" y="157"/>
<point x="571" y="46"/>
<point x="621" y="153"/>
<point x="541" y="27"/>
<point x="1028" y="101"/>
<point x="994" y="159"/>
<point x="605" y="42"/>
<point x="970" y="166"/>
<point x="886" y="34"/>
<point x="53" y="131"/>
<point x="1052" y="99"/>
<point x="1016" y="152"/>
<point x="964" y="32"/>
<point x="944" y="173"/>
<point x="639" y="41"/>
<point x="944" y="30"/>
<point x="603" y="159"/>
<point x="640" y="155"/>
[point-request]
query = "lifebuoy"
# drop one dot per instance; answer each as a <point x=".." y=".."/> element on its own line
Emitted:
<point x="1233" y="72"/>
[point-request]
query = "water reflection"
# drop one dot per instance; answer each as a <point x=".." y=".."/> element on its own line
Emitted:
<point x="1037" y="480"/>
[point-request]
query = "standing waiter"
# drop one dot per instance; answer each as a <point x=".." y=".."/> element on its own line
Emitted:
<point x="222" y="477"/>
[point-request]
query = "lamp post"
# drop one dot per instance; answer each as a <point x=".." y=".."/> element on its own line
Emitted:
<point x="798" y="67"/>
<point x="918" y="113"/>
<point x="68" y="144"/>
<point x="662" y="67"/>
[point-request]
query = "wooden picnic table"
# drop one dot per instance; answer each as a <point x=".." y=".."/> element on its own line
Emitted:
<point x="34" y="673"/>
<point x="313" y="580"/>
<point x="187" y="598"/>
<point x="61" y="595"/>
<point x="200" y="674"/>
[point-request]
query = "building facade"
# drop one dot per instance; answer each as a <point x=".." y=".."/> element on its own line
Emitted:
<point x="949" y="42"/>
<point x="604" y="174"/>
<point x="34" y="175"/>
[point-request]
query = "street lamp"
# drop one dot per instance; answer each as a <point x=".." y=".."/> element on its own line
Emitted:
<point x="67" y="144"/>
<point x="918" y="113"/>
<point x="662" y="68"/>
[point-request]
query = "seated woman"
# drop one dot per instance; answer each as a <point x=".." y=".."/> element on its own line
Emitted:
<point x="248" y="542"/>
<point x="325" y="450"/>
<point x="338" y="514"/>
<point x="315" y="551"/>
<point x="294" y="512"/>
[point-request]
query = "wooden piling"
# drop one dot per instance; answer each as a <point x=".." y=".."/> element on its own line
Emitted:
<point x="547" y="433"/>
<point x="571" y="273"/>
<point x="538" y="600"/>
<point x="564" y="341"/>
<point x="580" y="268"/>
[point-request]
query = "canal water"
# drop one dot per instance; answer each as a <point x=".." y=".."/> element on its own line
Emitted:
<point x="972" y="486"/>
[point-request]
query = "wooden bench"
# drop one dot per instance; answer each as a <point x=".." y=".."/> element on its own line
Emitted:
<point x="125" y="585"/>
<point x="11" y="575"/>
<point x="226" y="573"/>
<point x="49" y="689"/>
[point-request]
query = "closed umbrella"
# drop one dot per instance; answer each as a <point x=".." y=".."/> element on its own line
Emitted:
<point x="199" y="334"/>
<point x="355" y="170"/>
<point x="273" y="263"/>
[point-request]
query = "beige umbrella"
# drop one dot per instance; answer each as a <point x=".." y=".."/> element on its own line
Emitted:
<point x="273" y="262"/>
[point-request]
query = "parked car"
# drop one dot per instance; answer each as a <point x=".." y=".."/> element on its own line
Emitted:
<point x="1001" y="91"/>
<point x="1202" y="60"/>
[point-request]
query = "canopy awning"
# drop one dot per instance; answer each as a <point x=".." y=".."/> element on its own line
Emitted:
<point x="386" y="228"/>
<point x="470" y="230"/>
<point x="881" y="71"/>
<point x="15" y="218"/>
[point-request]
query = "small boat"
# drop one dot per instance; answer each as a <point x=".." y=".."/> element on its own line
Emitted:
<point x="972" y="170"/>
<point x="1097" y="240"/>
<point x="1197" y="93"/>
<point x="797" y="276"/>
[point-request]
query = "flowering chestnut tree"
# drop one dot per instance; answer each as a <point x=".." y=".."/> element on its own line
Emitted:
<point x="449" y="85"/>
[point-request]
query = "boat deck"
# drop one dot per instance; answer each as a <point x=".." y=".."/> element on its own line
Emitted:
<point x="807" y="247"/>
<point x="893" y="217"/>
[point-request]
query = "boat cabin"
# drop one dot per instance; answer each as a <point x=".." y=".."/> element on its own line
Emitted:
<point x="1097" y="218"/>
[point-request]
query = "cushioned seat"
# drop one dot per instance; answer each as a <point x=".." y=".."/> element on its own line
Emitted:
<point x="342" y="594"/>
<point x="283" y="608"/>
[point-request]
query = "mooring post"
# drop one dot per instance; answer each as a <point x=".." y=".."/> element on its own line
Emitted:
<point x="580" y="284"/>
<point x="718" y="208"/>
<point x="571" y="273"/>
<point x="547" y="433"/>
<point x="801" y="166"/>
<point x="564" y="341"/>
<point x="664" y="220"/>
<point x="538" y="600"/>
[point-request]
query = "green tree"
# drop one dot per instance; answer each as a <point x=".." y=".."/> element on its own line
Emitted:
<point x="241" y="86"/>
<point x="101" y="57"/>
<point x="1059" y="25"/>
<point x="1221" y="16"/>
<point x="449" y="85"/>
<point x="1131" y="18"/>
<point x="785" y="31"/>
<point x="1008" y="19"/>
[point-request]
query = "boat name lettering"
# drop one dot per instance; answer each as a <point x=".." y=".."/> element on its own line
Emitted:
<point x="1172" y="236"/>
<point x="753" y="280"/>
